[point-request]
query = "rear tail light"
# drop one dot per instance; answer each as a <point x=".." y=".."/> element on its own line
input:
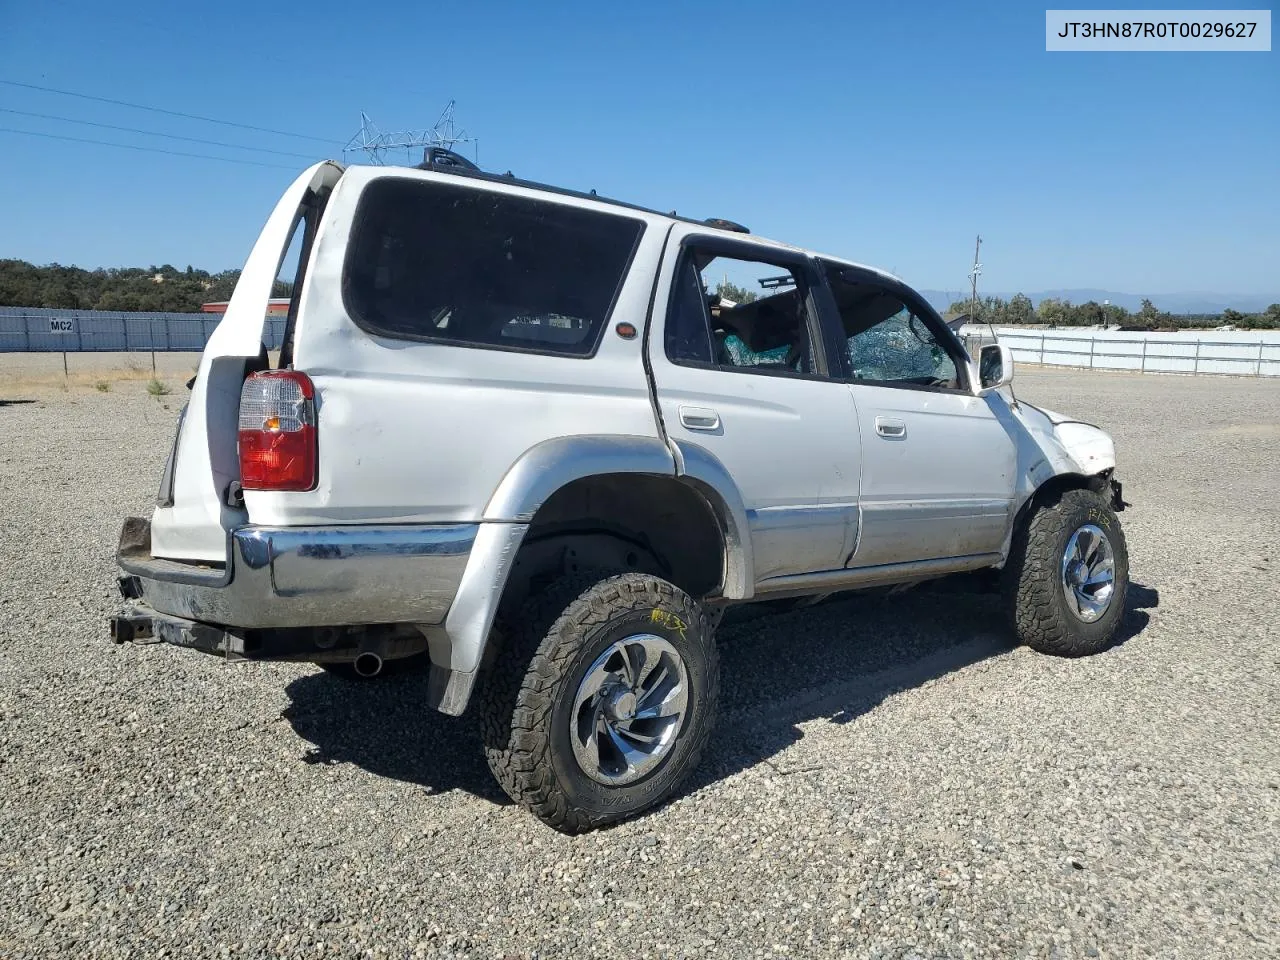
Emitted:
<point x="278" y="432"/>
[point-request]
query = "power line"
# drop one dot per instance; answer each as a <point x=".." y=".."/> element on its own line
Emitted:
<point x="154" y="133"/>
<point x="172" y="113"/>
<point x="132" y="146"/>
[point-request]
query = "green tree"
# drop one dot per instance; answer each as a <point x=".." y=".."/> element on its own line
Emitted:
<point x="1233" y="317"/>
<point x="1054" y="311"/>
<point x="1086" y="314"/>
<point x="1148" y="316"/>
<point x="731" y="291"/>
<point x="121" y="288"/>
<point x="1020" y="309"/>
<point x="1115" y="315"/>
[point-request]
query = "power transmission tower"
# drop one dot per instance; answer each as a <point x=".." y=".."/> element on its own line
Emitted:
<point x="376" y="145"/>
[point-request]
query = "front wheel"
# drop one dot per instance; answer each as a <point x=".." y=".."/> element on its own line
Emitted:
<point x="1067" y="575"/>
<point x="603" y="701"/>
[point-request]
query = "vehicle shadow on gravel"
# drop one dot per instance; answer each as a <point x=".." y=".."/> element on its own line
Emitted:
<point x="841" y="659"/>
<point x="836" y="661"/>
<point x="385" y="727"/>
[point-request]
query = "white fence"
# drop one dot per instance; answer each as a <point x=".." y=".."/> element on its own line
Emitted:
<point x="1253" y="354"/>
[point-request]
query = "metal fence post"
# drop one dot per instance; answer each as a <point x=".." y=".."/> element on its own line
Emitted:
<point x="1258" y="372"/>
<point x="26" y="332"/>
<point x="1042" y="349"/>
<point x="1092" y="344"/>
<point x="1142" y="367"/>
<point x="1195" y="367"/>
<point x="124" y="332"/>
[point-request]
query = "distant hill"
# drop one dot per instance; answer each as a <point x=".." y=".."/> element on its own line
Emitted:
<point x="164" y="288"/>
<point x="1194" y="302"/>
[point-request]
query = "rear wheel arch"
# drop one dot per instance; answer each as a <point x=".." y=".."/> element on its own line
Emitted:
<point x="622" y="521"/>
<point x="546" y="468"/>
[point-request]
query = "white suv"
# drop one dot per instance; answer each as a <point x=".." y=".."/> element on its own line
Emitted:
<point x="509" y="430"/>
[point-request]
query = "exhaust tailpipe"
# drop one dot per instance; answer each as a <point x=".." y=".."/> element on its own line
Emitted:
<point x="368" y="665"/>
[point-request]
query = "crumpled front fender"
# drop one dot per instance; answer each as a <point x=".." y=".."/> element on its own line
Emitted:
<point x="1050" y="444"/>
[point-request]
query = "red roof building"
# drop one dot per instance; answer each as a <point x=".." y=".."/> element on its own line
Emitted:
<point x="276" y="307"/>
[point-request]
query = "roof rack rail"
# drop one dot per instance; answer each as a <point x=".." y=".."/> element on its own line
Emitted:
<point x="438" y="157"/>
<point x="725" y="225"/>
<point x="441" y="160"/>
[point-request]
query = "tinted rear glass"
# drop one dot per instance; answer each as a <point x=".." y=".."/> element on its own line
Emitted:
<point x="433" y="261"/>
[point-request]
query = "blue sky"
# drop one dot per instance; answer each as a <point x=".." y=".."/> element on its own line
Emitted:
<point x="889" y="133"/>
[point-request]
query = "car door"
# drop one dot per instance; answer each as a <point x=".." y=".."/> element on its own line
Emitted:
<point x="749" y="383"/>
<point x="938" y="469"/>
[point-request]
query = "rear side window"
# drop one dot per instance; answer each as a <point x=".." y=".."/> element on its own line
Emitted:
<point x="435" y="261"/>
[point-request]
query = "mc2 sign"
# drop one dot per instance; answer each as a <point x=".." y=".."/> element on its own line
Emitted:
<point x="57" y="325"/>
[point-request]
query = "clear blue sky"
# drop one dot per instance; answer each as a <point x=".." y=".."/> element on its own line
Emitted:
<point x="889" y="133"/>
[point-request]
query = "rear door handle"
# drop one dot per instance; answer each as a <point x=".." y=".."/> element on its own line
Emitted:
<point x="890" y="428"/>
<point x="699" y="418"/>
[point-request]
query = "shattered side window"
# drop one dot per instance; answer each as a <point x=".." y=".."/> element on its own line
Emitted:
<point x="740" y="355"/>
<point x="901" y="348"/>
<point x="887" y="342"/>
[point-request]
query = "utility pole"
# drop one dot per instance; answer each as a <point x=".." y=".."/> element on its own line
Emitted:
<point x="973" y="279"/>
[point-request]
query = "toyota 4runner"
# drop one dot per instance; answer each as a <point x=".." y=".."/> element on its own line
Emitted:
<point x="513" y="431"/>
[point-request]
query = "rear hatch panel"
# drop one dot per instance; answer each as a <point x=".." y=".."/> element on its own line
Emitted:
<point x="195" y="523"/>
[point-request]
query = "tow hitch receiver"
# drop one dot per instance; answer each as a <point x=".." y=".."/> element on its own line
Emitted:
<point x="138" y="623"/>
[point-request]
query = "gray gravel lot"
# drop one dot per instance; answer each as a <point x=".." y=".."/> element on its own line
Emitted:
<point x="891" y="778"/>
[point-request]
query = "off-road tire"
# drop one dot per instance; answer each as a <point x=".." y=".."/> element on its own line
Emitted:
<point x="1034" y="594"/>
<point x="527" y="696"/>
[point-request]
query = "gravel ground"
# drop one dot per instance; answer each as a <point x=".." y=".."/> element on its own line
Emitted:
<point x="891" y="777"/>
<point x="85" y="369"/>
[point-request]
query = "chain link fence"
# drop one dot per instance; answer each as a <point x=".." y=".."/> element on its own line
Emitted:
<point x="45" y="330"/>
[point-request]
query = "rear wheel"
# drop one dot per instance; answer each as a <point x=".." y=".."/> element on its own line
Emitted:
<point x="1067" y="575"/>
<point x="603" y="701"/>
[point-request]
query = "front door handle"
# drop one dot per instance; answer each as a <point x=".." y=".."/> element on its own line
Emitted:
<point x="891" y="429"/>
<point x="699" y="418"/>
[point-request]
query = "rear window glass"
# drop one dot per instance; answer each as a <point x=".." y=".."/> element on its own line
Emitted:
<point x="433" y="261"/>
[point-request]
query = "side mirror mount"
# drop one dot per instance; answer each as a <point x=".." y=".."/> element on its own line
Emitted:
<point x="995" y="367"/>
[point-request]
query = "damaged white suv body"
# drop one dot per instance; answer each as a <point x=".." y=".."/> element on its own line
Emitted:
<point x="512" y="433"/>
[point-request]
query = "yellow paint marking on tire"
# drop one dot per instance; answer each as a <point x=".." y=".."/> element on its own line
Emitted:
<point x="668" y="620"/>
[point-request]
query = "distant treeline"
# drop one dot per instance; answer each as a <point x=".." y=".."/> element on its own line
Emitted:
<point x="164" y="289"/>
<point x="1064" y="313"/>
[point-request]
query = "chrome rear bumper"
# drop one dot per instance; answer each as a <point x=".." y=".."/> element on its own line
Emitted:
<point x="306" y="576"/>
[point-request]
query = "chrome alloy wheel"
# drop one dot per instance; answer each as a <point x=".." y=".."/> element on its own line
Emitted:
<point x="1088" y="573"/>
<point x="628" y="709"/>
